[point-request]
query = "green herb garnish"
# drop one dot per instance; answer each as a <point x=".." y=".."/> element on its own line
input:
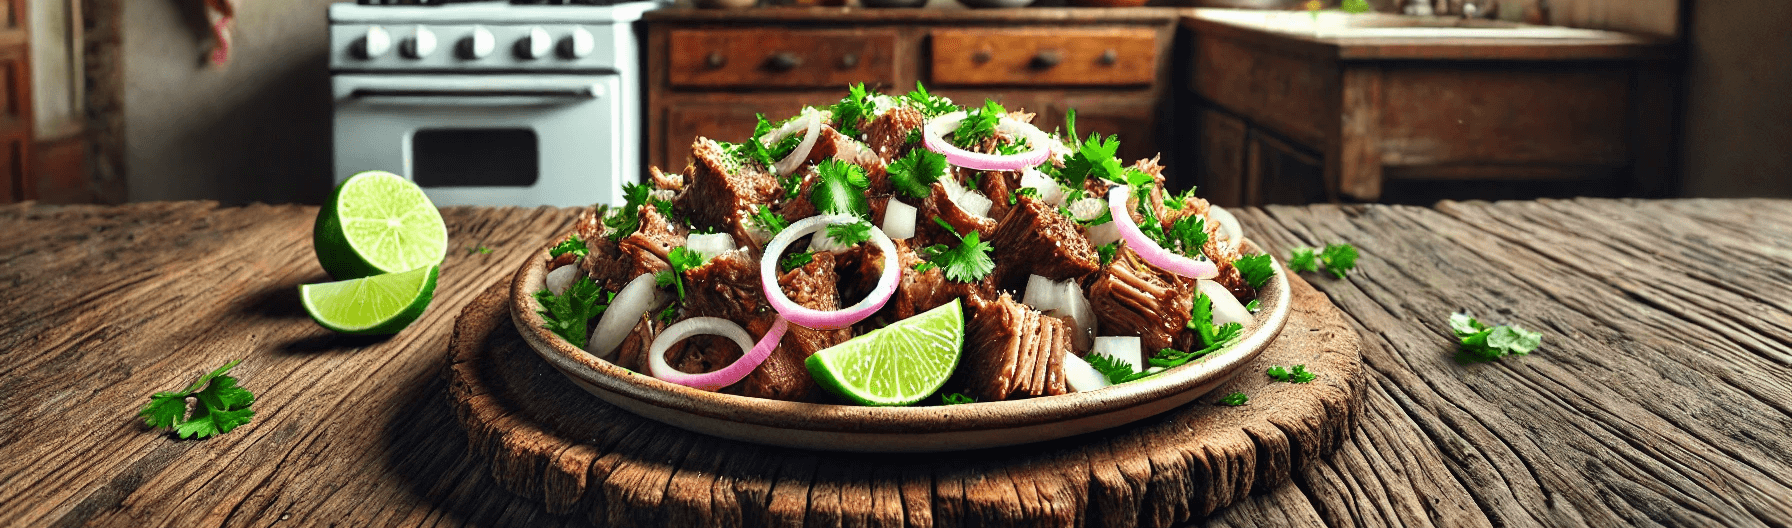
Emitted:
<point x="978" y="125"/>
<point x="568" y="314"/>
<point x="967" y="262"/>
<point x="796" y="260"/>
<point x="852" y="111"/>
<point x="487" y="251"/>
<point x="1251" y="306"/>
<point x="1303" y="259"/>
<point x="1234" y="399"/>
<point x="222" y="406"/>
<point x="1107" y="251"/>
<point x="770" y="221"/>
<point x="682" y="260"/>
<point x="841" y="189"/>
<point x="1481" y="343"/>
<point x="850" y="234"/>
<point x="957" y="398"/>
<point x="1256" y="269"/>
<point x="1298" y="375"/>
<point x="930" y="105"/>
<point x="1338" y="259"/>
<point x="914" y="173"/>
<point x="1116" y="371"/>
<point x="1014" y="197"/>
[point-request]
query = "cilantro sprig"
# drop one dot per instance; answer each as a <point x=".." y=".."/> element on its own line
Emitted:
<point x="978" y="125"/>
<point x="1481" y="343"/>
<point x="1256" y="269"/>
<point x="841" y="189"/>
<point x="1106" y="252"/>
<point x="796" y="260"/>
<point x="682" y="260"/>
<point x="1116" y="371"/>
<point x="569" y="313"/>
<point x="914" y="173"/>
<point x="1303" y="259"/>
<point x="768" y="220"/>
<point x="1298" y="374"/>
<point x="956" y="398"/>
<point x="850" y="234"/>
<point x="222" y="407"/>
<point x="969" y="261"/>
<point x="626" y="220"/>
<point x="1212" y="337"/>
<point x="1234" y="399"/>
<point x="570" y="245"/>
<point x="852" y="111"/>
<point x="929" y="105"/>
<point x="1338" y="259"/>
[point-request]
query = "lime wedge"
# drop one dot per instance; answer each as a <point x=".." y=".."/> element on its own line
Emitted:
<point x="378" y="222"/>
<point x="381" y="304"/>
<point x="898" y="364"/>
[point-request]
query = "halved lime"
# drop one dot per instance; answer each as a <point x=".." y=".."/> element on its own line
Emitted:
<point x="378" y="222"/>
<point x="381" y="304"/>
<point x="898" y="364"/>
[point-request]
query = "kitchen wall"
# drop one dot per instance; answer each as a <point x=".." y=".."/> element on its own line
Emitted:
<point x="1738" y="124"/>
<point x="257" y="129"/>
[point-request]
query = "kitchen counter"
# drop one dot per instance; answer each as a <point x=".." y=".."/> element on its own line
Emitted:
<point x="1659" y="394"/>
<point x="1381" y="36"/>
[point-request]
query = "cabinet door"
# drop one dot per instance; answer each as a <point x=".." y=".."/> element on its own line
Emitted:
<point x="1220" y="148"/>
<point x="1280" y="173"/>
<point x="1132" y="119"/>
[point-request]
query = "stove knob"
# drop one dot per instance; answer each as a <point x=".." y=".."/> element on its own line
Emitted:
<point x="579" y="44"/>
<point x="421" y="44"/>
<point x="535" y="45"/>
<point x="375" y="43"/>
<point x="479" y="44"/>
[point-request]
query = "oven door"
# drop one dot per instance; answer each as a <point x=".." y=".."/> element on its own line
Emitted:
<point x="485" y="139"/>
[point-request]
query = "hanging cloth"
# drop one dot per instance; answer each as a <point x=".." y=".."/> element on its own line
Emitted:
<point x="222" y="16"/>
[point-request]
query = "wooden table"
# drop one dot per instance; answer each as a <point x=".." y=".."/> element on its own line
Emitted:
<point x="1662" y="393"/>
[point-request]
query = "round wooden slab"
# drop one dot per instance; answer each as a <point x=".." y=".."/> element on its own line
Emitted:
<point x="550" y="440"/>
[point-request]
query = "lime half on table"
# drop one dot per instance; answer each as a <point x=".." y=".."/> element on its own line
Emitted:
<point x="378" y="222"/>
<point x="898" y="364"/>
<point x="381" y="304"/>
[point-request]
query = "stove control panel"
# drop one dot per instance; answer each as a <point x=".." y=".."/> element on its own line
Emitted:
<point x="463" y="47"/>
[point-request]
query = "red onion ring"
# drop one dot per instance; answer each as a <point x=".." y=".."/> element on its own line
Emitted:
<point x="754" y="354"/>
<point x="1147" y="248"/>
<point x="824" y="319"/>
<point x="933" y="137"/>
<point x="809" y="118"/>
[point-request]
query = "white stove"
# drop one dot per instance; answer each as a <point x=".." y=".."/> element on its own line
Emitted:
<point x="491" y="103"/>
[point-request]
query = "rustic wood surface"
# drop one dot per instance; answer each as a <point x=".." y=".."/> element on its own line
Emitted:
<point x="1661" y="395"/>
<point x="550" y="440"/>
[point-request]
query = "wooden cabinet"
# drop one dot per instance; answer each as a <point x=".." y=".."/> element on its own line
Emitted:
<point x="710" y="71"/>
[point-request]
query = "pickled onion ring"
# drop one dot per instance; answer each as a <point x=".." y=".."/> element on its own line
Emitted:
<point x="809" y="118"/>
<point x="1147" y="248"/>
<point x="826" y="319"/>
<point x="753" y="354"/>
<point x="933" y="133"/>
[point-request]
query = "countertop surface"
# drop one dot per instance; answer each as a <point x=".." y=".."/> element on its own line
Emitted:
<point x="1661" y="394"/>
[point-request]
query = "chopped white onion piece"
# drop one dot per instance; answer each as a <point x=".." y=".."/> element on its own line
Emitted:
<point x="1041" y="294"/>
<point x="1126" y="349"/>
<point x="663" y="194"/>
<point x="636" y="298"/>
<point x="899" y="220"/>
<point x="974" y="203"/>
<point x="1081" y="376"/>
<point x="1228" y="224"/>
<point x="1104" y="234"/>
<point x="1226" y="308"/>
<point x="1089" y="208"/>
<point x="562" y="278"/>
<point x="953" y="188"/>
<point x="1081" y="313"/>
<point x="710" y="245"/>
<point x="1049" y="191"/>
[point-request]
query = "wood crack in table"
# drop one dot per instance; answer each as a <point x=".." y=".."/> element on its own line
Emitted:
<point x="548" y="439"/>
<point x="1662" y="394"/>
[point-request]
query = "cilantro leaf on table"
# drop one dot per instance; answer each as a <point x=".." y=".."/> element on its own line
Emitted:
<point x="978" y="125"/>
<point x="570" y="245"/>
<point x="1302" y="259"/>
<point x="852" y="111"/>
<point x="1481" y="343"/>
<point x="969" y="261"/>
<point x="956" y="398"/>
<point x="1256" y="269"/>
<point x="850" y="234"/>
<point x="914" y="173"/>
<point x="1116" y="371"/>
<point x="568" y="314"/>
<point x="1298" y="375"/>
<point x="222" y="407"/>
<point x="768" y="220"/>
<point x="1338" y="259"/>
<point x="796" y="260"/>
<point x="841" y="189"/>
<point x="1234" y="399"/>
<point x="929" y="105"/>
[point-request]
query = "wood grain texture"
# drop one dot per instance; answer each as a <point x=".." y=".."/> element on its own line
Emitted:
<point x="1660" y="396"/>
<point x="1059" y="56"/>
<point x="760" y="58"/>
<point x="521" y="414"/>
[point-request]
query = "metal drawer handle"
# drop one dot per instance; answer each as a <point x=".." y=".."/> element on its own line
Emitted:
<point x="1046" y="59"/>
<point x="1109" y="58"/>
<point x="583" y="92"/>
<point x="848" y="61"/>
<point x="783" y="61"/>
<point x="981" y="56"/>
<point x="715" y="60"/>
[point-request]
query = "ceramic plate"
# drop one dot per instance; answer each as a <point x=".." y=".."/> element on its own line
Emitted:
<point x="888" y="429"/>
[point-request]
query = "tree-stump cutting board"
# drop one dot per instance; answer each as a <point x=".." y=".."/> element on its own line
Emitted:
<point x="549" y="440"/>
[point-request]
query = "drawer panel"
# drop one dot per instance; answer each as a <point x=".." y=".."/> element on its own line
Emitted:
<point x="1039" y="56"/>
<point x="761" y="58"/>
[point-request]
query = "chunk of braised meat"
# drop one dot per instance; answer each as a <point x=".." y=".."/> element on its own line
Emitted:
<point x="661" y="180"/>
<point x="726" y="286"/>
<point x="919" y="291"/>
<point x="722" y="192"/>
<point x="997" y="186"/>
<point x="799" y="206"/>
<point x="699" y="354"/>
<point x="831" y="144"/>
<point x="1011" y="351"/>
<point x="1133" y="298"/>
<point x="632" y="353"/>
<point x="962" y="221"/>
<point x="1034" y="239"/>
<point x="614" y="263"/>
<point x="887" y="135"/>
<point x="784" y="376"/>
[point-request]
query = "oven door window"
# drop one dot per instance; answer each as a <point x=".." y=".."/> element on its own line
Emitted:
<point x="491" y="157"/>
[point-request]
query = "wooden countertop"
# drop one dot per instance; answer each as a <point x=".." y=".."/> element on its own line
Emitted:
<point x="1610" y="46"/>
<point x="1660" y="394"/>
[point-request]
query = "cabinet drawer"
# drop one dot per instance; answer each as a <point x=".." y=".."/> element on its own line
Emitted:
<point x="761" y="58"/>
<point x="1038" y="56"/>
